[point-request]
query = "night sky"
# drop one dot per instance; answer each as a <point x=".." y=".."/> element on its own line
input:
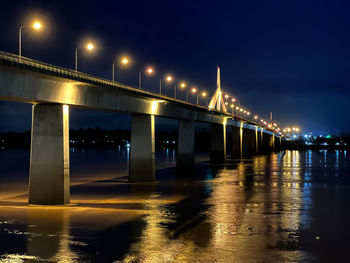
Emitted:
<point x="288" y="57"/>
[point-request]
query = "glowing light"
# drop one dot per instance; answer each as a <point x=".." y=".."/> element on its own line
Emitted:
<point x="226" y="96"/>
<point x="232" y="105"/>
<point x="169" y="78"/>
<point x="150" y="70"/>
<point x="204" y="94"/>
<point x="241" y="109"/>
<point x="226" y="103"/>
<point x="194" y="90"/>
<point x="256" y="117"/>
<point x="237" y="108"/>
<point x="125" y="60"/>
<point x="233" y="100"/>
<point x="245" y="111"/>
<point x="89" y="46"/>
<point x="183" y="85"/>
<point x="248" y="112"/>
<point x="37" y="25"/>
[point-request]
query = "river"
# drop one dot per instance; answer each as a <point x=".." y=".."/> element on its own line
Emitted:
<point x="285" y="207"/>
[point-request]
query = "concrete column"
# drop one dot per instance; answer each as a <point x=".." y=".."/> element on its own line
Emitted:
<point x="252" y="142"/>
<point x="246" y="143"/>
<point x="277" y="144"/>
<point x="218" y="143"/>
<point x="142" y="149"/>
<point x="49" y="156"/>
<point x="185" y="146"/>
<point x="236" y="142"/>
<point x="272" y="143"/>
<point x="260" y="136"/>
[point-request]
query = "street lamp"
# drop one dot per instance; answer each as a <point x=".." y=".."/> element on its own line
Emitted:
<point x="232" y="107"/>
<point x="203" y="94"/>
<point x="89" y="47"/>
<point x="36" y="25"/>
<point x="182" y="85"/>
<point x="149" y="71"/>
<point x="168" y="78"/>
<point x="123" y="61"/>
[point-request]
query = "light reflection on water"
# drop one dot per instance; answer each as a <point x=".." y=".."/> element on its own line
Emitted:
<point x="272" y="208"/>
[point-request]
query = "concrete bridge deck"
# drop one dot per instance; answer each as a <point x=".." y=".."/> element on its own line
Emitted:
<point x="52" y="90"/>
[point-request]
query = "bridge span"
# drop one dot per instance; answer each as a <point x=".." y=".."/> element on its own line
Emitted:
<point x="53" y="90"/>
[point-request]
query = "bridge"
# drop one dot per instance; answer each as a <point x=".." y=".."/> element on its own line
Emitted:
<point x="53" y="90"/>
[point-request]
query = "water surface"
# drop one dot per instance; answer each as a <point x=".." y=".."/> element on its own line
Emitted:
<point x="286" y="207"/>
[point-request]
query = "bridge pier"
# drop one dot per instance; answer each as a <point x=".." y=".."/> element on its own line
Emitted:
<point x="236" y="134"/>
<point x="218" y="143"/>
<point x="142" y="149"/>
<point x="185" y="146"/>
<point x="278" y="143"/>
<point x="246" y="151"/>
<point x="49" y="155"/>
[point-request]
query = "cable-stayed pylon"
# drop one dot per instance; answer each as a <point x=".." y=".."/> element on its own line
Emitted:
<point x="217" y="101"/>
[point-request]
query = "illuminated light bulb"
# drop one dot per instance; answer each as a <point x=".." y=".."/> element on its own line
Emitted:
<point x="255" y="117"/>
<point x="150" y="70"/>
<point x="194" y="90"/>
<point x="241" y="109"/>
<point x="232" y="105"/>
<point x="248" y="113"/>
<point x="226" y="96"/>
<point x="125" y="61"/>
<point x="90" y="46"/>
<point x="169" y="78"/>
<point x="233" y="99"/>
<point x="183" y="85"/>
<point x="204" y="94"/>
<point x="37" y="25"/>
<point x="237" y="108"/>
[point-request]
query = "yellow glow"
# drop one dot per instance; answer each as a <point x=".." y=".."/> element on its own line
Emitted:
<point x="204" y="94"/>
<point x="241" y="109"/>
<point x="226" y="96"/>
<point x="89" y="46"/>
<point x="297" y="129"/>
<point x="237" y="108"/>
<point x="245" y="111"/>
<point x="233" y="99"/>
<point x="169" y="78"/>
<point x="183" y="85"/>
<point x="232" y="105"/>
<point x="255" y="117"/>
<point x="37" y="25"/>
<point x="154" y="107"/>
<point x="125" y="60"/>
<point x="248" y="113"/>
<point x="194" y="90"/>
<point x="150" y="70"/>
<point x="269" y="125"/>
<point x="65" y="109"/>
<point x="226" y="103"/>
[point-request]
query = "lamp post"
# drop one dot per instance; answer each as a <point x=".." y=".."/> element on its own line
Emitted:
<point x="36" y="25"/>
<point x="89" y="47"/>
<point x="123" y="60"/>
<point x="149" y="71"/>
<point x="168" y="79"/>
<point x="203" y="94"/>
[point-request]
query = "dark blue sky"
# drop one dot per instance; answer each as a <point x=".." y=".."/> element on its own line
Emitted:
<point x="288" y="57"/>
